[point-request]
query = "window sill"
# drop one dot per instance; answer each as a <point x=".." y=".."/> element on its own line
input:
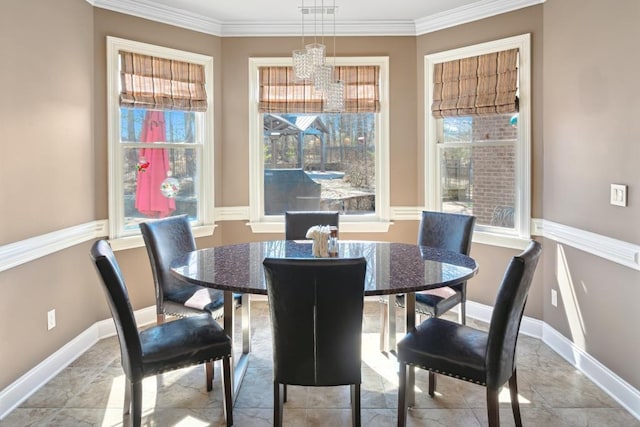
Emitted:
<point x="345" y="227"/>
<point x="500" y="240"/>
<point x="136" y="241"/>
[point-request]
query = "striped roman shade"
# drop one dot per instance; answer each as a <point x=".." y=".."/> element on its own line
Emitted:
<point x="280" y="92"/>
<point x="161" y="84"/>
<point x="478" y="85"/>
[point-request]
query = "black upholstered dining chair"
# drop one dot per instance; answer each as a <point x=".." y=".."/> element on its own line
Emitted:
<point x="160" y="348"/>
<point x="296" y="223"/>
<point x="459" y="351"/>
<point x="449" y="231"/>
<point x="316" y="308"/>
<point x="165" y="240"/>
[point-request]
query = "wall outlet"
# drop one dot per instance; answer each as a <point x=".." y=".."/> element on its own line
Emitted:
<point x="51" y="319"/>
<point x="554" y="297"/>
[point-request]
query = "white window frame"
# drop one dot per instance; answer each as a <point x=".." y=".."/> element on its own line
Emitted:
<point x="520" y="235"/>
<point x="378" y="222"/>
<point x="119" y="239"/>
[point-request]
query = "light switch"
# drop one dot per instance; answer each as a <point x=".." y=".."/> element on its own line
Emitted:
<point x="618" y="194"/>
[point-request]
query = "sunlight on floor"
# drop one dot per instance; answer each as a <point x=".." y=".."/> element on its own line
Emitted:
<point x="191" y="422"/>
<point x="116" y="393"/>
<point x="504" y="397"/>
<point x="384" y="366"/>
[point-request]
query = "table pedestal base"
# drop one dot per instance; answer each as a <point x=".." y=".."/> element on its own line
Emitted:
<point x="240" y="363"/>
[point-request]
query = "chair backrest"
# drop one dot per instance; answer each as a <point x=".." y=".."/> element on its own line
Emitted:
<point x="297" y="223"/>
<point x="166" y="239"/>
<point x="316" y="319"/>
<point x="120" y="306"/>
<point x="507" y="315"/>
<point x="449" y="231"/>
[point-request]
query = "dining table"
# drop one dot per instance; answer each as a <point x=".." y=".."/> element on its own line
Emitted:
<point x="392" y="268"/>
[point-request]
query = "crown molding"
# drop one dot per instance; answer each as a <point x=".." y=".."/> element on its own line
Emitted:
<point x="465" y="14"/>
<point x="148" y="9"/>
<point x="344" y="28"/>
<point x="167" y="15"/>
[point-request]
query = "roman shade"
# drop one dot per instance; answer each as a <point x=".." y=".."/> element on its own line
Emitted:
<point x="281" y="92"/>
<point x="477" y="85"/>
<point x="161" y="84"/>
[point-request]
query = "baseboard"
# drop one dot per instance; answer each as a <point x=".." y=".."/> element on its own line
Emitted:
<point x="621" y="391"/>
<point x="21" y="389"/>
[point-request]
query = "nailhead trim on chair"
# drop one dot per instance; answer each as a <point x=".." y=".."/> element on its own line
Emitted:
<point x="194" y="364"/>
<point x="437" y="371"/>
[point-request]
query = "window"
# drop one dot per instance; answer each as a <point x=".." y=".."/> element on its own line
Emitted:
<point x="160" y="138"/>
<point x="478" y="137"/>
<point x="304" y="159"/>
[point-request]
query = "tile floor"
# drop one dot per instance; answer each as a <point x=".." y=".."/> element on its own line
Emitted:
<point x="90" y="392"/>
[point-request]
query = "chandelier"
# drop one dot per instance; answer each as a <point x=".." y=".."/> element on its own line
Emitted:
<point x="310" y="63"/>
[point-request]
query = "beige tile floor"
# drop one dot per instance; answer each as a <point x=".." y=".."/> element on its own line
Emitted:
<point x="90" y="392"/>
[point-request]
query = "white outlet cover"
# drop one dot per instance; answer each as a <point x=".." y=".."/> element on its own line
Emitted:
<point x="618" y="195"/>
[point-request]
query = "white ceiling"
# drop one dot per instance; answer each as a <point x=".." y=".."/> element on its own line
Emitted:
<point x="284" y="18"/>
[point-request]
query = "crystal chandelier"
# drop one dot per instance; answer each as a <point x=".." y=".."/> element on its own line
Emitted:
<point x="310" y="65"/>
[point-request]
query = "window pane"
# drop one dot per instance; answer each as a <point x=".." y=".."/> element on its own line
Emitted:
<point x="163" y="126"/>
<point x="478" y="168"/>
<point x="319" y="162"/>
<point x="159" y="182"/>
<point x="457" y="129"/>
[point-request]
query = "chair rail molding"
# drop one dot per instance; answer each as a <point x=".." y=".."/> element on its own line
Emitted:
<point x="615" y="250"/>
<point x="23" y="251"/>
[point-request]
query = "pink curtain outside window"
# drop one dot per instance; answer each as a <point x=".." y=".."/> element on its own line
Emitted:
<point x="149" y="199"/>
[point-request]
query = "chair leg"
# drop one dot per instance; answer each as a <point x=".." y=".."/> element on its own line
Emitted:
<point x="432" y="383"/>
<point x="278" y="404"/>
<point x="135" y="417"/>
<point x="384" y="315"/>
<point x="284" y="393"/>
<point x="493" y="407"/>
<point x="208" y="371"/>
<point x="126" y="409"/>
<point x="515" y="405"/>
<point x="355" y="405"/>
<point x="462" y="312"/>
<point x="227" y="387"/>
<point x="402" y="395"/>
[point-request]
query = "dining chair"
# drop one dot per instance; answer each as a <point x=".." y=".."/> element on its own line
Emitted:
<point x="296" y="223"/>
<point x="166" y="239"/>
<point x="165" y="347"/>
<point x="316" y="310"/>
<point x="449" y="231"/>
<point x="469" y="354"/>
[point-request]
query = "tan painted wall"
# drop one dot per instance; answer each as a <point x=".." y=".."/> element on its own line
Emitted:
<point x="587" y="145"/>
<point x="47" y="171"/>
<point x="591" y="130"/>
<point x="46" y="117"/>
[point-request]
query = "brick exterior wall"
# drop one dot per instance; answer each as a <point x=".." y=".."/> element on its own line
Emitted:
<point x="493" y="169"/>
